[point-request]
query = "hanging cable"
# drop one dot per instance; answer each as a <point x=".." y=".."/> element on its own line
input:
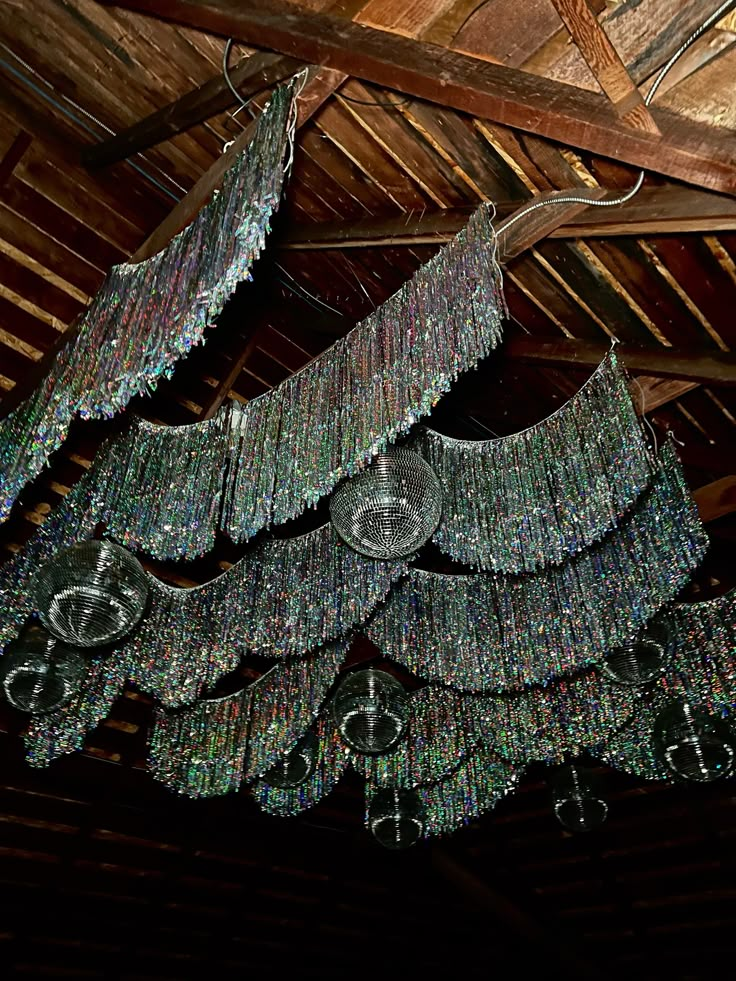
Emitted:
<point x="573" y="198"/>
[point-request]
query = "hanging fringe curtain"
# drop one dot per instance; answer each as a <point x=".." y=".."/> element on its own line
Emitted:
<point x="331" y="762"/>
<point x="494" y="632"/>
<point x="703" y="672"/>
<point x="294" y="444"/>
<point x="436" y="743"/>
<point x="147" y="315"/>
<point x="473" y="788"/>
<point x="540" y="496"/>
<point x="214" y="746"/>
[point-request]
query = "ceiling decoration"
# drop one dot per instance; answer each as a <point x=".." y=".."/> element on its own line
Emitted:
<point x="148" y="314"/>
<point x="505" y="499"/>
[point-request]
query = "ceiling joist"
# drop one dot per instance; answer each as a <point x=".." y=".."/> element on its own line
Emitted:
<point x="692" y="152"/>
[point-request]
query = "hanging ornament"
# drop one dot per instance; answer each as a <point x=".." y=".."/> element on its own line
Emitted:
<point x="643" y="659"/>
<point x="40" y="674"/>
<point x="371" y="710"/>
<point x="395" y="817"/>
<point x="296" y="767"/>
<point x="577" y="804"/>
<point x="91" y="594"/>
<point x="694" y="745"/>
<point x="391" y="509"/>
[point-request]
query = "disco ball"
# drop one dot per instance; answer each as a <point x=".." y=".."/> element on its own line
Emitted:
<point x="40" y="674"/>
<point x="577" y="804"/>
<point x="396" y="818"/>
<point x="371" y="710"/>
<point x="390" y="509"/>
<point x="693" y="744"/>
<point x="296" y="767"/>
<point x="91" y="594"/>
<point x="642" y="660"/>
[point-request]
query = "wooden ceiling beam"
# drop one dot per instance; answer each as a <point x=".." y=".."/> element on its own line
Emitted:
<point x="717" y="499"/>
<point x="605" y="63"/>
<point x="693" y="152"/>
<point x="654" y="211"/>
<point x="714" y="369"/>
<point x="250" y="76"/>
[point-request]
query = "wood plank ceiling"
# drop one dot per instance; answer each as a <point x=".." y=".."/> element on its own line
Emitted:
<point x="380" y="179"/>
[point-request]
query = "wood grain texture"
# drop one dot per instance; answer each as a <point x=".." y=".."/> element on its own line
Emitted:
<point x="692" y="152"/>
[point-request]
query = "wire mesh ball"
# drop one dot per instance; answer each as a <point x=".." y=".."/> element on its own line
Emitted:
<point x="40" y="674"/>
<point x="396" y="817"/>
<point x="644" y="659"/>
<point x="91" y="594"/>
<point x="578" y="805"/>
<point x="694" y="744"/>
<point x="296" y="767"/>
<point x="371" y="711"/>
<point x="390" y="509"/>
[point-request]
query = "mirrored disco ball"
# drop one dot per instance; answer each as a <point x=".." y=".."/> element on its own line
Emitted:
<point x="370" y="710"/>
<point x="644" y="659"/>
<point x="577" y="803"/>
<point x="396" y="818"/>
<point x="694" y="744"/>
<point x="39" y="673"/>
<point x="91" y="594"/>
<point x="296" y="767"/>
<point x="390" y="509"/>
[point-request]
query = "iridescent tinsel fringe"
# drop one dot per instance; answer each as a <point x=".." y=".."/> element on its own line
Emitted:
<point x="146" y="315"/>
<point x="295" y="443"/>
<point x="331" y="761"/>
<point x="284" y="598"/>
<point x="473" y="788"/>
<point x="702" y="672"/>
<point x="212" y="747"/>
<point x="537" y="497"/>
<point x="496" y="632"/>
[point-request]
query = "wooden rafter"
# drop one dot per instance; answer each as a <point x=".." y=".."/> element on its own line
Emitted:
<point x="654" y="211"/>
<point x="605" y="63"/>
<point x="692" y="152"/>
<point x="249" y="76"/>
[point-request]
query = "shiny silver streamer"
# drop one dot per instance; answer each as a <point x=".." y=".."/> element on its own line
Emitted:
<point x="437" y="741"/>
<point x="474" y="788"/>
<point x="331" y="763"/>
<point x="293" y="444"/>
<point x="282" y="599"/>
<point x="158" y="488"/>
<point x="702" y="671"/>
<point x="147" y="315"/>
<point x="496" y="632"/>
<point x="540" y="496"/>
<point x="211" y="748"/>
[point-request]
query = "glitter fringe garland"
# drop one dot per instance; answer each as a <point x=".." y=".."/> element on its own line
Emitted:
<point x="282" y="599"/>
<point x="211" y="748"/>
<point x="436" y="743"/>
<point x="294" y="444"/>
<point x="494" y="632"/>
<point x="475" y="787"/>
<point x="331" y="762"/>
<point x="540" y="496"/>
<point x="147" y="315"/>
<point x="703" y="671"/>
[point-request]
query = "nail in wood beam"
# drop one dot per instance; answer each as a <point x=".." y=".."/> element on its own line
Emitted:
<point x="693" y="152"/>
<point x="605" y="63"/>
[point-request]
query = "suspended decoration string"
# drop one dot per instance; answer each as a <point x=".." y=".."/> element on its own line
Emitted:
<point x="573" y="198"/>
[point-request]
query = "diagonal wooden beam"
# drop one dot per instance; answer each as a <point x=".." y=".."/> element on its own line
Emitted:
<point x="605" y="63"/>
<point x="693" y="152"/>
<point x="716" y="500"/>
<point x="664" y="362"/>
<point x="249" y="76"/>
